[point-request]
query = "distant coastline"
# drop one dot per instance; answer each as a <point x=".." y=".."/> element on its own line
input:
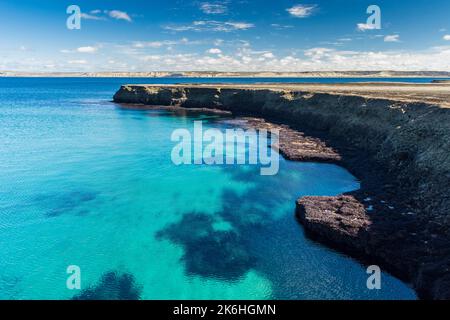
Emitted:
<point x="218" y="74"/>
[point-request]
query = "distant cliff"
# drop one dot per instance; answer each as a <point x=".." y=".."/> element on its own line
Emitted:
<point x="217" y="74"/>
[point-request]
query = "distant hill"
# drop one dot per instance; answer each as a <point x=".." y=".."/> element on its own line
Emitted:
<point x="214" y="74"/>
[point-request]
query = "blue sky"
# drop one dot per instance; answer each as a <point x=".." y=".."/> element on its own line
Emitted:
<point x="227" y="35"/>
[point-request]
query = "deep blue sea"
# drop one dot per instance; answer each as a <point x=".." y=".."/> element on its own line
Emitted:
<point x="84" y="182"/>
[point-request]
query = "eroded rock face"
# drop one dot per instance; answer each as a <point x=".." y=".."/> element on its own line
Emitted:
<point x="340" y="220"/>
<point x="400" y="219"/>
<point x="400" y="243"/>
<point x="293" y="144"/>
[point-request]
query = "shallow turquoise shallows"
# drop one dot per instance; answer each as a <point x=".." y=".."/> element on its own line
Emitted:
<point x="84" y="182"/>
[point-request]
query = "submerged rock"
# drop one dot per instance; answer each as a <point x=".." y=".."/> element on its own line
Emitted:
<point x="112" y="286"/>
<point x="341" y="220"/>
<point x="403" y="246"/>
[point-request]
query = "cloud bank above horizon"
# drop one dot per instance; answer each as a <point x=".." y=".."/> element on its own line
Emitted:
<point x="226" y="36"/>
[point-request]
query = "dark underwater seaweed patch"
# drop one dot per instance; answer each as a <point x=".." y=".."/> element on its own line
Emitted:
<point x="9" y="284"/>
<point x="112" y="286"/>
<point x="58" y="204"/>
<point x="208" y="252"/>
<point x="229" y="255"/>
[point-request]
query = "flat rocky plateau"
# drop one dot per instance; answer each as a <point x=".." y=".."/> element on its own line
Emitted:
<point x="394" y="137"/>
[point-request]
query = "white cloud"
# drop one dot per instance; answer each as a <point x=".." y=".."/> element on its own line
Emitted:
<point x="316" y="54"/>
<point x="119" y="15"/>
<point x="213" y="8"/>
<point x="281" y="26"/>
<point x="149" y="44"/>
<point x="93" y="15"/>
<point x="322" y="59"/>
<point x="151" y="58"/>
<point x="238" y="56"/>
<point x="215" y="51"/>
<point x="163" y="43"/>
<point x="446" y="37"/>
<point x="314" y="59"/>
<point x="103" y="15"/>
<point x="392" y="38"/>
<point x="218" y="42"/>
<point x="77" y="62"/>
<point x="268" y="55"/>
<point x="364" y="26"/>
<point x="240" y="25"/>
<point x="87" y="49"/>
<point x="211" y="25"/>
<point x="302" y="10"/>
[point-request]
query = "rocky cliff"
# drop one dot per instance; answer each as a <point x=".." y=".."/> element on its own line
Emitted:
<point x="400" y="150"/>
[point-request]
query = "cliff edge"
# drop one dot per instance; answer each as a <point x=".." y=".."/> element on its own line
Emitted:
<point x="396" y="140"/>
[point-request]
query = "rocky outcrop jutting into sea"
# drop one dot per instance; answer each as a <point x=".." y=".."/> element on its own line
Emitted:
<point x="398" y="146"/>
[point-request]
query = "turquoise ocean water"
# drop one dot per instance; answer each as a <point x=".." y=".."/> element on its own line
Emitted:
<point x="84" y="182"/>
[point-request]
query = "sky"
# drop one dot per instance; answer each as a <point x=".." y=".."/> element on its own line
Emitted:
<point x="226" y="35"/>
